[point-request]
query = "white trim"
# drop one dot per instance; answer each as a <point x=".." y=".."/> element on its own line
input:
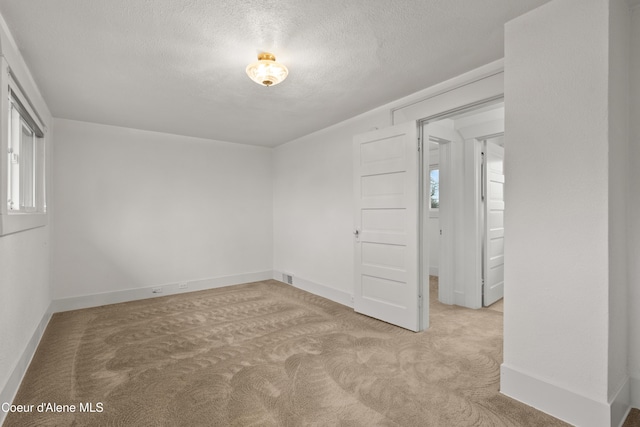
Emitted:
<point x="554" y="400"/>
<point x="335" y="295"/>
<point x="483" y="72"/>
<point x="10" y="389"/>
<point x="476" y="91"/>
<point x="16" y="91"/>
<point x="619" y="404"/>
<point x="446" y="276"/>
<point x="94" y="300"/>
<point x="433" y="270"/>
<point x="634" y="387"/>
<point x="474" y="222"/>
<point x="482" y="131"/>
<point x="13" y="222"/>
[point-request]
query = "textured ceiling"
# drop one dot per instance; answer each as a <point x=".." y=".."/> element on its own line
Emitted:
<point x="178" y="66"/>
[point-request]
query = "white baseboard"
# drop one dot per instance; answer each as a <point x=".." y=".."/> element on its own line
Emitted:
<point x="433" y="271"/>
<point x="619" y="404"/>
<point x="95" y="300"/>
<point x="324" y="291"/>
<point x="8" y="392"/>
<point x="634" y="386"/>
<point x="554" y="400"/>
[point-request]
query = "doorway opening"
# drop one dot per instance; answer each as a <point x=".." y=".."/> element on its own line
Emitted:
<point x="394" y="200"/>
<point x="463" y="219"/>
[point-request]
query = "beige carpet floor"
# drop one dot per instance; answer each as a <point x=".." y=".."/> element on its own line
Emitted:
<point x="268" y="354"/>
<point x="633" y="419"/>
<point x="497" y="306"/>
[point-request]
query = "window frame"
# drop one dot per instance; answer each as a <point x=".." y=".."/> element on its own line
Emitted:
<point x="13" y="221"/>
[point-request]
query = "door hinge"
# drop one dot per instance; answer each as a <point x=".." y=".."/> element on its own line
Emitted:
<point x="419" y="144"/>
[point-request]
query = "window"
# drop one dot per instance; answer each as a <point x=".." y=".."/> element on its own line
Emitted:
<point x="434" y="188"/>
<point x="23" y="171"/>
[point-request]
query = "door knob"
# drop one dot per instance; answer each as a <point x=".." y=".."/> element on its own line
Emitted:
<point x="357" y="233"/>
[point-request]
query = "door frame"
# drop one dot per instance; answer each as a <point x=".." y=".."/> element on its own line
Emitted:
<point x="468" y="92"/>
<point x="474" y="221"/>
<point x="471" y="260"/>
<point x="445" y="264"/>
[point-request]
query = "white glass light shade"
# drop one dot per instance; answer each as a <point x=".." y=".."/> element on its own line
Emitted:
<point x="266" y="71"/>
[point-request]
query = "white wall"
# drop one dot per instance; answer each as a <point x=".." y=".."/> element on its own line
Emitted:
<point x="24" y="261"/>
<point x="619" y="176"/>
<point x="634" y="215"/>
<point x="313" y="206"/>
<point x="137" y="209"/>
<point x="557" y="271"/>
<point x="24" y="295"/>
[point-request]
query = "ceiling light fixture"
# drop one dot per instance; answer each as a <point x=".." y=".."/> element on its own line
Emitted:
<point x="266" y="71"/>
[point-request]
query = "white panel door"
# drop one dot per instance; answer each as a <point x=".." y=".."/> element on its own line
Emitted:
<point x="386" y="183"/>
<point x="494" y="223"/>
